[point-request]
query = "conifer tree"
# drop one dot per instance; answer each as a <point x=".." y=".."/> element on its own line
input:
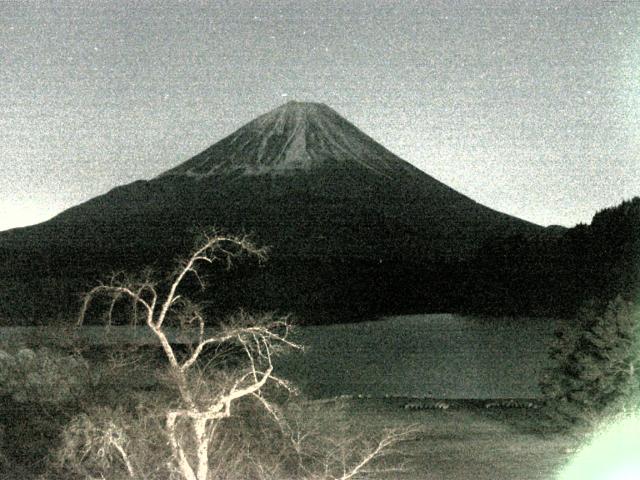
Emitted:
<point x="596" y="362"/>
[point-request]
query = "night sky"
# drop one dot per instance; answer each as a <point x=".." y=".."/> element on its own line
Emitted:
<point x="530" y="107"/>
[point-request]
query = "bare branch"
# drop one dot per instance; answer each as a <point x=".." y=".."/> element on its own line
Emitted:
<point x="117" y="444"/>
<point x="207" y="253"/>
<point x="391" y="438"/>
<point x="260" y="338"/>
<point x="113" y="291"/>
<point x="236" y="334"/>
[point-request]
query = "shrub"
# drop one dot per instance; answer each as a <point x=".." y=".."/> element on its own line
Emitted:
<point x="39" y="391"/>
<point x="99" y="442"/>
<point x="42" y="376"/>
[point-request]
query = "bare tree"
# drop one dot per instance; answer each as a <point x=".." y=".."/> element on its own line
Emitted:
<point x="257" y="338"/>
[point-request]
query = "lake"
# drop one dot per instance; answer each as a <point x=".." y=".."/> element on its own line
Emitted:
<point x="432" y="355"/>
<point x="435" y="355"/>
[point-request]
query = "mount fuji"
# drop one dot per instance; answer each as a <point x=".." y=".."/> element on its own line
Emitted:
<point x="351" y="226"/>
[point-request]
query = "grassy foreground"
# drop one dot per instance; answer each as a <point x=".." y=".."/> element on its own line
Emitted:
<point x="468" y="442"/>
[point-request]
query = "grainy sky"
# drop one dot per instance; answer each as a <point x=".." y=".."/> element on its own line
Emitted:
<point x="529" y="107"/>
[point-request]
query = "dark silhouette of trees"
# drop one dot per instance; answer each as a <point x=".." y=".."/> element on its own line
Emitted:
<point x="549" y="273"/>
<point x="555" y="273"/>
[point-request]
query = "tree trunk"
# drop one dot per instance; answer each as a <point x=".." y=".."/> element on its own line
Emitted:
<point x="202" y="440"/>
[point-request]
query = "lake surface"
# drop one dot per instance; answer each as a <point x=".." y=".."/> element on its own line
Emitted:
<point x="441" y="356"/>
<point x="435" y="355"/>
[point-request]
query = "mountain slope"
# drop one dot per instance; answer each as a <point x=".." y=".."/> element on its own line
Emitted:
<point x="304" y="169"/>
<point x="344" y="216"/>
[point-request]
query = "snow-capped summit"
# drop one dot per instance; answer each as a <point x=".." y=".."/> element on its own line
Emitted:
<point x="296" y="136"/>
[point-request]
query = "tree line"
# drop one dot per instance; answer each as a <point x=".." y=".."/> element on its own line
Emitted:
<point x="556" y="272"/>
<point x="552" y="273"/>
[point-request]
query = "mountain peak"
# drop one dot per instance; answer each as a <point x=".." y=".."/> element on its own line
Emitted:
<point x="300" y="112"/>
<point x="294" y="137"/>
<point x="306" y="107"/>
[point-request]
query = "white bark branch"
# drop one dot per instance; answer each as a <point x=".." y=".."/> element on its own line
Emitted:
<point x="178" y="452"/>
<point x="257" y="340"/>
